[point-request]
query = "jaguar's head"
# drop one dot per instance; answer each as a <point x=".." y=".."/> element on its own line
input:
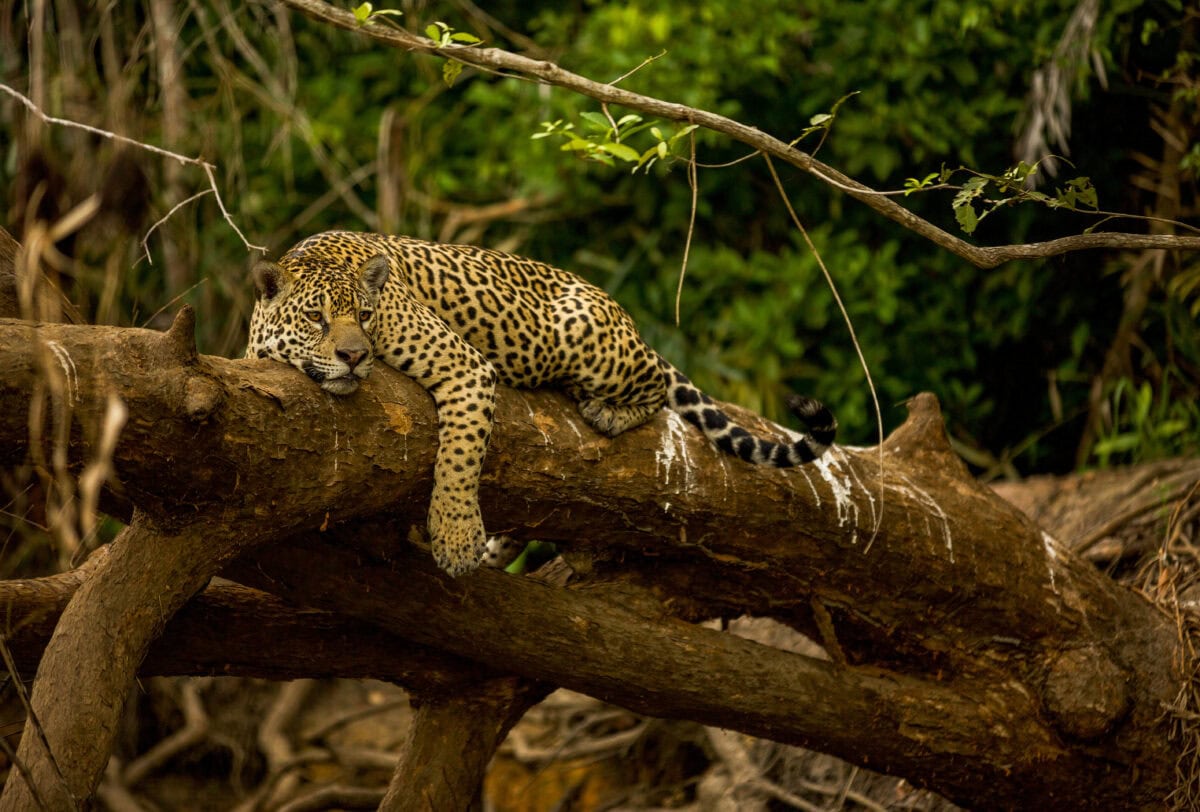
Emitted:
<point x="318" y="317"/>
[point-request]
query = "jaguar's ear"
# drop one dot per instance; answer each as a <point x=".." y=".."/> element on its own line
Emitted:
<point x="374" y="273"/>
<point x="270" y="279"/>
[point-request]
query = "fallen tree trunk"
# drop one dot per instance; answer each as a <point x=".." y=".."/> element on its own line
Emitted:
<point x="967" y="648"/>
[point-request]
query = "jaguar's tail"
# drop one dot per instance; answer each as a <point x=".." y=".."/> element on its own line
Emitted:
<point x="699" y="409"/>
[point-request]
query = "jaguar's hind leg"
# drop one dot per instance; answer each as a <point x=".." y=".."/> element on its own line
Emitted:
<point x="612" y="419"/>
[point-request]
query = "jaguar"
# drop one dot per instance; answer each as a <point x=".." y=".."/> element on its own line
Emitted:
<point x="459" y="319"/>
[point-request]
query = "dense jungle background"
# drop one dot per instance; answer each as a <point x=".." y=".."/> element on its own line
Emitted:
<point x="1085" y="361"/>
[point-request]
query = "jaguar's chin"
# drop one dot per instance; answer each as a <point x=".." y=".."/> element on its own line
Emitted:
<point x="340" y="386"/>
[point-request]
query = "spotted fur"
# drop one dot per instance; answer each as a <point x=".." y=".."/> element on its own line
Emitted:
<point x="458" y="319"/>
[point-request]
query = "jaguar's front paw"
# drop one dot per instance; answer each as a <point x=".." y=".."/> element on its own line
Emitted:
<point x="458" y="540"/>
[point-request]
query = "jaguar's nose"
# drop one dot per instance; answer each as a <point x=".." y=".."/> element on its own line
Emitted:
<point x="351" y="357"/>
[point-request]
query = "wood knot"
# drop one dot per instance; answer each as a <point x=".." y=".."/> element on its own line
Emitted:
<point x="1086" y="693"/>
<point x="201" y="398"/>
<point x="923" y="435"/>
<point x="180" y="338"/>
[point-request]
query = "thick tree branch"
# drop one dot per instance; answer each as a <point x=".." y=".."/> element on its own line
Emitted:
<point x="956" y="627"/>
<point x="593" y="644"/>
<point x="495" y="59"/>
<point x="451" y="741"/>
<point x="234" y="631"/>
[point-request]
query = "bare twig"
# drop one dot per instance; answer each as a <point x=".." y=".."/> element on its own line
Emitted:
<point x="335" y="796"/>
<point x="274" y="741"/>
<point x="165" y="218"/>
<point x="694" y="183"/>
<point x="643" y="64"/>
<point x="114" y="792"/>
<point x="172" y="301"/>
<point x="18" y="762"/>
<point x="853" y="338"/>
<point x="194" y="731"/>
<point x="32" y="724"/>
<point x="207" y="167"/>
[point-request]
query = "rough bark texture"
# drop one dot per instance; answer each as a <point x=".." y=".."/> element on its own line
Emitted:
<point x="951" y="630"/>
<point x="9" y="301"/>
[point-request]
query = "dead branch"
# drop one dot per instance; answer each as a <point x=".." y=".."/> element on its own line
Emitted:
<point x="335" y="797"/>
<point x="194" y="731"/>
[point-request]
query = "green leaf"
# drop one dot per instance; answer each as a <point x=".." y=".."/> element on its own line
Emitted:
<point x="912" y="184"/>
<point x="599" y="120"/>
<point x="684" y="131"/>
<point x="1169" y="428"/>
<point x="970" y="190"/>
<point x="463" y="36"/>
<point x="450" y="71"/>
<point x="1085" y="192"/>
<point x="362" y="13"/>
<point x="622" y="151"/>
<point x="433" y="32"/>
<point x="966" y="218"/>
<point x="1122" y="442"/>
<point x="663" y="150"/>
<point x="819" y="119"/>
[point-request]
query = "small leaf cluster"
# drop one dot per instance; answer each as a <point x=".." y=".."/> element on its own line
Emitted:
<point x="606" y="140"/>
<point x="443" y="36"/>
<point x="367" y="13"/>
<point x="992" y="192"/>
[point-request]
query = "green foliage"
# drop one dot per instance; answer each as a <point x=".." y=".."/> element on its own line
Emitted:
<point x="1185" y="286"/>
<point x="1007" y="189"/>
<point x="605" y="140"/>
<point x="1145" y="424"/>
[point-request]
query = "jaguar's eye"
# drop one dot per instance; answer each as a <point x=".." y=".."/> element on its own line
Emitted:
<point x="364" y="316"/>
<point x="313" y="315"/>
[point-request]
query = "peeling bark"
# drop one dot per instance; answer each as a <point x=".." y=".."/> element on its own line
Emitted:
<point x="954" y="621"/>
